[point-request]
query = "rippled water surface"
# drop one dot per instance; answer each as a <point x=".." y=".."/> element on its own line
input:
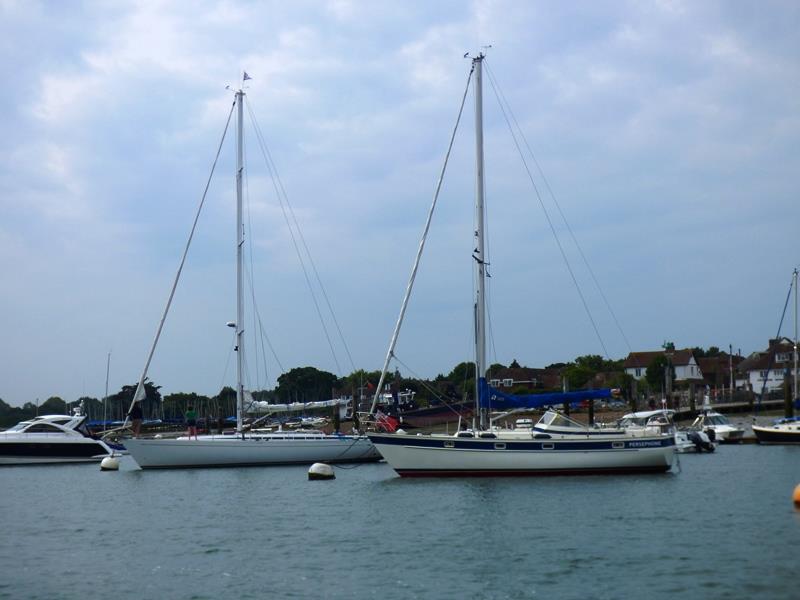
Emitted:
<point x="724" y="526"/>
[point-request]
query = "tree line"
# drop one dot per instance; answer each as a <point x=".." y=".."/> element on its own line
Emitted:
<point x="309" y="384"/>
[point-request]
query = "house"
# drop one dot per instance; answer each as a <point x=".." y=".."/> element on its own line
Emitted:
<point x="769" y="367"/>
<point x="717" y="370"/>
<point x="683" y="362"/>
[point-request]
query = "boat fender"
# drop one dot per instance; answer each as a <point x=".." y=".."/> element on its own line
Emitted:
<point x="109" y="463"/>
<point x="796" y="496"/>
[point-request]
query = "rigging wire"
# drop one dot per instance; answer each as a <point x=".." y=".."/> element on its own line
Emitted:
<point x="561" y="212"/>
<point x="771" y="361"/>
<point x="421" y="247"/>
<point x="549" y="220"/>
<point x="140" y="388"/>
<point x="427" y="386"/>
<point x="250" y="278"/>
<point x="283" y="199"/>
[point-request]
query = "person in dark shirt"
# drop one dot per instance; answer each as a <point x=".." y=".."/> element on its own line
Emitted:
<point x="135" y="416"/>
<point x="191" y="421"/>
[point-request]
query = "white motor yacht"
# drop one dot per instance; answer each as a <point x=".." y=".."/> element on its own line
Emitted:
<point x="662" y="421"/>
<point x="724" y="431"/>
<point x="51" y="439"/>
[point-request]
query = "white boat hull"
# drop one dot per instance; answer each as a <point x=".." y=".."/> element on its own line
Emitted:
<point x="231" y="451"/>
<point x="443" y="456"/>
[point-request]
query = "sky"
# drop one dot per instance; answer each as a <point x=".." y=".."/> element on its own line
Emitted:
<point x="668" y="132"/>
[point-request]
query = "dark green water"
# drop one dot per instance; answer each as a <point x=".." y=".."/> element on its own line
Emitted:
<point x="724" y="526"/>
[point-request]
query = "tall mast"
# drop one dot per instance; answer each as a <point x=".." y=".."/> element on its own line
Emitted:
<point x="239" y="246"/>
<point x="479" y="256"/>
<point x="794" y="398"/>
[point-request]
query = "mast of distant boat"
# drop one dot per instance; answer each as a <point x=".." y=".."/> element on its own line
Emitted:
<point x="105" y="398"/>
<point x="479" y="256"/>
<point x="795" y="335"/>
<point x="239" y="247"/>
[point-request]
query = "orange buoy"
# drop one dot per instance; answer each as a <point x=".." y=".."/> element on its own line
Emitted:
<point x="796" y="496"/>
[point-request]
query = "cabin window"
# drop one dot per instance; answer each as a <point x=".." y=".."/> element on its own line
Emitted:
<point x="617" y="444"/>
<point x="499" y="446"/>
<point x="449" y="444"/>
<point x="548" y="446"/>
<point x="42" y="428"/>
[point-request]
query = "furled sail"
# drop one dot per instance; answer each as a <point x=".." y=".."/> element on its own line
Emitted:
<point x="265" y="407"/>
<point x="492" y="398"/>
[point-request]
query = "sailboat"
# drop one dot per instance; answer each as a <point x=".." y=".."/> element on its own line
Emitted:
<point x="556" y="445"/>
<point x="786" y="430"/>
<point x="243" y="448"/>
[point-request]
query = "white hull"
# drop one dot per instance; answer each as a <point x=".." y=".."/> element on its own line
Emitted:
<point x="230" y="451"/>
<point x="442" y="456"/>
<point x="727" y="434"/>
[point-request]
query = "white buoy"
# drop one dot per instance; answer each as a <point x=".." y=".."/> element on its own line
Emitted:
<point x="109" y="463"/>
<point x="321" y="471"/>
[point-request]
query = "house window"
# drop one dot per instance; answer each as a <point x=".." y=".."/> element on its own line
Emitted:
<point x="638" y="372"/>
<point x="783" y="357"/>
<point x="764" y="374"/>
<point x="494" y="383"/>
<point x="508" y="382"/>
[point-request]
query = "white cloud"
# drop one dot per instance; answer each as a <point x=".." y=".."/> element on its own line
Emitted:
<point x="642" y="114"/>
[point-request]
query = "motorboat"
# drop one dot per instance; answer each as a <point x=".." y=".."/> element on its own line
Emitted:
<point x="718" y="427"/>
<point x="663" y="421"/>
<point x="782" y="431"/>
<point x="51" y="439"/>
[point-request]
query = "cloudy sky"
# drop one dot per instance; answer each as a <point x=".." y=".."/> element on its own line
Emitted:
<point x="668" y="131"/>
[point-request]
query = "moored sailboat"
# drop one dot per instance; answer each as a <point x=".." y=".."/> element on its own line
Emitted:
<point x="488" y="450"/>
<point x="786" y="430"/>
<point x="243" y="448"/>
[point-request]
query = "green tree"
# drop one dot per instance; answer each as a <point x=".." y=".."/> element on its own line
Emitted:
<point x="53" y="406"/>
<point x="577" y="375"/>
<point x="305" y="384"/>
<point x="655" y="372"/>
<point x="120" y="403"/>
<point x="176" y="405"/>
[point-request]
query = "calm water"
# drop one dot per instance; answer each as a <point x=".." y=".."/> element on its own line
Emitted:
<point x="724" y="526"/>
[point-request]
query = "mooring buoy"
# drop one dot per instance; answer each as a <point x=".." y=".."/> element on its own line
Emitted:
<point x="321" y="471"/>
<point x="109" y="463"/>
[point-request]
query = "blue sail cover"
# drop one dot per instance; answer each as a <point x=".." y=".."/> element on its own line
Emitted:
<point x="497" y="400"/>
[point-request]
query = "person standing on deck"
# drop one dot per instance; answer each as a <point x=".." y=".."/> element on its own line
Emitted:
<point x="191" y="422"/>
<point x="135" y="416"/>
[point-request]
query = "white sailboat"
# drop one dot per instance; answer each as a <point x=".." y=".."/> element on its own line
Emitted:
<point x="556" y="445"/>
<point x="785" y="430"/>
<point x="244" y="448"/>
